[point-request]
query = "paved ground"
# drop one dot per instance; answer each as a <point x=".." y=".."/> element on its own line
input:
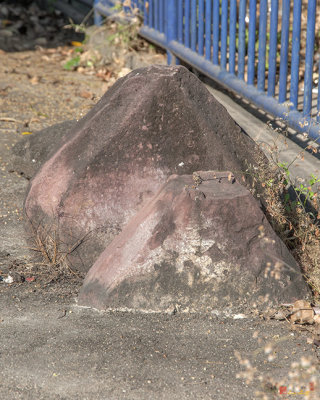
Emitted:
<point x="52" y="349"/>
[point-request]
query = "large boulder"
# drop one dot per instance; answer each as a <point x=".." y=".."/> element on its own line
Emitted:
<point x="201" y="243"/>
<point x="155" y="122"/>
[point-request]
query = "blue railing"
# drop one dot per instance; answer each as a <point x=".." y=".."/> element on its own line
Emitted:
<point x="253" y="47"/>
<point x="110" y="7"/>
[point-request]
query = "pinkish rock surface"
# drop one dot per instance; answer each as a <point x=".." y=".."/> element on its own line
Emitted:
<point x="156" y="121"/>
<point x="201" y="243"/>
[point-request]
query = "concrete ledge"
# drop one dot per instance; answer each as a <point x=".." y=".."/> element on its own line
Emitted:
<point x="257" y="129"/>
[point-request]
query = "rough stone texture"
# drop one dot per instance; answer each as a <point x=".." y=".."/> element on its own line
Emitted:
<point x="154" y="122"/>
<point x="33" y="150"/>
<point x="196" y="246"/>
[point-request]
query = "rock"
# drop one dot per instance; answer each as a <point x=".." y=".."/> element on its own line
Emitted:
<point x="6" y="33"/>
<point x="201" y="243"/>
<point x="33" y="150"/>
<point x="41" y="41"/>
<point x="154" y="122"/>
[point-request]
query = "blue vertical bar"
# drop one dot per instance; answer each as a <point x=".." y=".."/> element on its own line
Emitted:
<point x="180" y="21"/>
<point x="166" y="28"/>
<point x="187" y="23"/>
<point x="156" y="14"/>
<point x="232" y="35"/>
<point x="97" y="18"/>
<point x="126" y="9"/>
<point x="171" y="14"/>
<point x="215" y="27"/>
<point x="284" y="51"/>
<point x="161" y="16"/>
<point x="145" y="12"/>
<point x="262" y="45"/>
<point x="201" y="27"/>
<point x="96" y="15"/>
<point x="295" y="58"/>
<point x="273" y="44"/>
<point x="241" y="38"/>
<point x="134" y="3"/>
<point x="208" y="29"/>
<point x="193" y="25"/>
<point x="150" y="13"/>
<point x="172" y="20"/>
<point x="224" y="33"/>
<point x="252" y="41"/>
<point x="308" y="82"/>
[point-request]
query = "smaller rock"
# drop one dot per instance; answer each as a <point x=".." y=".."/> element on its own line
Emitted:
<point x="6" y="33"/>
<point x="42" y="41"/>
<point x="196" y="246"/>
<point x="8" y="279"/>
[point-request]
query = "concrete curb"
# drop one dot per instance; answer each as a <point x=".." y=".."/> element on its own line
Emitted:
<point x="257" y="129"/>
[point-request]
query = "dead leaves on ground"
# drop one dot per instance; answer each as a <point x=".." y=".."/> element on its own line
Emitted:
<point x="86" y="95"/>
<point x="301" y="315"/>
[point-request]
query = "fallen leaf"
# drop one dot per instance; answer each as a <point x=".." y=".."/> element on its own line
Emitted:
<point x="86" y="95"/>
<point x="45" y="58"/>
<point x="52" y="51"/>
<point x="66" y="52"/>
<point x="31" y="279"/>
<point x="302" y="313"/>
<point x="34" y="80"/>
<point x="26" y="133"/>
<point x="76" y="44"/>
<point x="103" y="74"/>
<point x="5" y="119"/>
<point x="316" y="319"/>
<point x="124" y="71"/>
<point x="310" y="340"/>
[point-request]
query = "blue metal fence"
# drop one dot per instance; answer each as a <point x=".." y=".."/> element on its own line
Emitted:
<point x="253" y="47"/>
<point x="110" y="7"/>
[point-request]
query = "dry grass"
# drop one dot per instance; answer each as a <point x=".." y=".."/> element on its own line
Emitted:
<point x="302" y="379"/>
<point x="51" y="253"/>
<point x="294" y="213"/>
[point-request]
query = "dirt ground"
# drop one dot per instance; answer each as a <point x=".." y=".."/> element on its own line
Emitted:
<point x="52" y="349"/>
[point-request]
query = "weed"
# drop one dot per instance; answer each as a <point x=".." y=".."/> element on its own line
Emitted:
<point x="292" y="208"/>
<point x="72" y="63"/>
<point x="302" y="379"/>
<point x="51" y="252"/>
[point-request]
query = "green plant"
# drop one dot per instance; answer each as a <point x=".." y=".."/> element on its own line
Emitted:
<point x="304" y="192"/>
<point x="291" y="206"/>
<point x="117" y="7"/>
<point x="72" y="63"/>
<point x="307" y="191"/>
<point x="125" y="33"/>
